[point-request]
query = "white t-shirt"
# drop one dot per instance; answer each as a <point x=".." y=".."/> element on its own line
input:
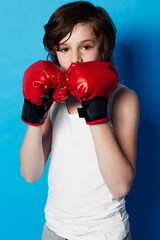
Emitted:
<point x="79" y="205"/>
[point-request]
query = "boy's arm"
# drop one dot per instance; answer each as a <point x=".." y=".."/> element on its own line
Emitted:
<point x="116" y="150"/>
<point x="35" y="150"/>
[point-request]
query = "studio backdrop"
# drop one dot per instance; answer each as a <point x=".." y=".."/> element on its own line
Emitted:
<point x="137" y="55"/>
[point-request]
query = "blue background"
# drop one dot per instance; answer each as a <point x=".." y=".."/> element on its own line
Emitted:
<point x="137" y="55"/>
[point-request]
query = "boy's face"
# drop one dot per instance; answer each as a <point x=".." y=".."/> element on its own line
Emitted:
<point x="82" y="46"/>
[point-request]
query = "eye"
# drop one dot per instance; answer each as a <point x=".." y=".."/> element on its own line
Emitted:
<point x="86" y="47"/>
<point x="64" y="49"/>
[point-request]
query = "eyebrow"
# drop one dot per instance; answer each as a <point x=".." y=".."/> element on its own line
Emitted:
<point x="83" y="41"/>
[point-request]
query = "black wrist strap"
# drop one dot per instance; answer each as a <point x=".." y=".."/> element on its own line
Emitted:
<point x="93" y="109"/>
<point x="36" y="114"/>
<point x="33" y="113"/>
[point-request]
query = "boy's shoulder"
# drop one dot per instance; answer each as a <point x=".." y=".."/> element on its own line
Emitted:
<point x="123" y="93"/>
<point x="125" y="102"/>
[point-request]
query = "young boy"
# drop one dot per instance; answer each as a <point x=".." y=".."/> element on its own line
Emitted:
<point x="77" y="110"/>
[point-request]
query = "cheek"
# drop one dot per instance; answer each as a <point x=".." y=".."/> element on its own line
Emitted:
<point x="64" y="67"/>
<point x="63" y="62"/>
<point x="93" y="56"/>
<point x="98" y="55"/>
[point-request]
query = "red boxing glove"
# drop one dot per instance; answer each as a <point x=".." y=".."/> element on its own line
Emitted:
<point x="92" y="83"/>
<point x="43" y="83"/>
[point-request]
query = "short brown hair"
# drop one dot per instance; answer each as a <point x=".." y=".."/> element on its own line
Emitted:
<point x="68" y="15"/>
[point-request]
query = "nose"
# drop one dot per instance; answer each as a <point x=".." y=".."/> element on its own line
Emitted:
<point x="76" y="57"/>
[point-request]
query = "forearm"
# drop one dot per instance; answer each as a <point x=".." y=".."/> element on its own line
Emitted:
<point x="115" y="168"/>
<point x="31" y="154"/>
